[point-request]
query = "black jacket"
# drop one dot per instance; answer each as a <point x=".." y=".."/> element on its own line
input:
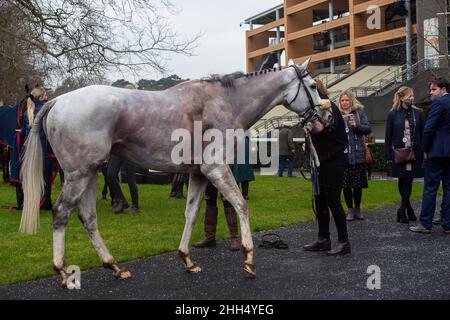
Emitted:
<point x="332" y="142"/>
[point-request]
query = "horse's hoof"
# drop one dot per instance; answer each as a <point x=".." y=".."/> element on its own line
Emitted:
<point x="122" y="274"/>
<point x="194" y="269"/>
<point x="250" y="269"/>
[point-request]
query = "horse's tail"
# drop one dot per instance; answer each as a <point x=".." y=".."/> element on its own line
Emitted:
<point x="32" y="176"/>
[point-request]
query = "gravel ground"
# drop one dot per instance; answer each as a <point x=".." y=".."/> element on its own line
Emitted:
<point x="413" y="266"/>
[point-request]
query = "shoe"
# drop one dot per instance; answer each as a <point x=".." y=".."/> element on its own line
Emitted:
<point x="358" y="214"/>
<point x="411" y="214"/>
<point x="135" y="210"/>
<point x="210" y="228"/>
<point x="120" y="205"/>
<point x="351" y="214"/>
<point x="401" y="215"/>
<point x="437" y="219"/>
<point x="319" y="245"/>
<point x="341" y="249"/>
<point x="420" y="229"/>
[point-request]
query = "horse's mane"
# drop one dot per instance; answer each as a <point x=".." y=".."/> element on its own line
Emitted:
<point x="228" y="80"/>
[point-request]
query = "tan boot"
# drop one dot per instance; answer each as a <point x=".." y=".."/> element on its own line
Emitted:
<point x="210" y="228"/>
<point x="231" y="215"/>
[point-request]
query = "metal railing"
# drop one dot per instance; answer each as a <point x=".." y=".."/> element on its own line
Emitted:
<point x="385" y="80"/>
<point x="274" y="123"/>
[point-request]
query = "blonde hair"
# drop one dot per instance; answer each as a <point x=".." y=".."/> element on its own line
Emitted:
<point x="36" y="93"/>
<point x="354" y="103"/>
<point x="129" y="86"/>
<point x="322" y="88"/>
<point x="401" y="93"/>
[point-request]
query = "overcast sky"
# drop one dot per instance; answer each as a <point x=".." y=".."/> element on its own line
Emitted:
<point x="222" y="46"/>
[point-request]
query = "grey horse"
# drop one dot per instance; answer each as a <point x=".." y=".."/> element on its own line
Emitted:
<point x="86" y="126"/>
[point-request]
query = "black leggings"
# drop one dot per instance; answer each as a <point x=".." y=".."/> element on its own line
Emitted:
<point x="331" y="179"/>
<point x="114" y="165"/>
<point x="211" y="195"/>
<point x="405" y="189"/>
<point x="353" y="196"/>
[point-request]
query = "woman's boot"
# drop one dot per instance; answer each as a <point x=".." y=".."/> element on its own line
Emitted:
<point x="231" y="215"/>
<point x="210" y="228"/>
<point x="351" y="214"/>
<point x="401" y="215"/>
<point x="341" y="249"/>
<point x="411" y="214"/>
<point x="358" y="214"/>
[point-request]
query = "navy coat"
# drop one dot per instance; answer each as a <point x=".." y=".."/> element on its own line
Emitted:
<point x="243" y="172"/>
<point x="436" y="137"/>
<point x="355" y="150"/>
<point x="395" y="128"/>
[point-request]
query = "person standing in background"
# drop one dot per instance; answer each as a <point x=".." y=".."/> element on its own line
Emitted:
<point x="355" y="178"/>
<point x="287" y="151"/>
<point x="404" y="129"/>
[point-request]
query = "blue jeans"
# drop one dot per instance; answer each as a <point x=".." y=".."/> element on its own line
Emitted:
<point x="282" y="164"/>
<point x="436" y="169"/>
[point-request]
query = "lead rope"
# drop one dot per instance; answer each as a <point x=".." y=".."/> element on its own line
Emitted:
<point x="315" y="165"/>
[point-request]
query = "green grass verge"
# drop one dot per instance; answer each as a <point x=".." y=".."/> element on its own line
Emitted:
<point x="274" y="202"/>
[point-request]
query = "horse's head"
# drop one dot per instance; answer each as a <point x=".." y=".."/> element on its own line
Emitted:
<point x="302" y="98"/>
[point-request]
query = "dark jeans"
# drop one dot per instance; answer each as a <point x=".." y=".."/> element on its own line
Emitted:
<point x="282" y="165"/>
<point x="114" y="165"/>
<point x="436" y="169"/>
<point x="331" y="179"/>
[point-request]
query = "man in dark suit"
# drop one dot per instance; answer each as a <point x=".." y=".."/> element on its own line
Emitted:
<point x="436" y="146"/>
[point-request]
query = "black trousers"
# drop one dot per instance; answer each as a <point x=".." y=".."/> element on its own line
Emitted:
<point x="331" y="179"/>
<point x="114" y="165"/>
<point x="405" y="188"/>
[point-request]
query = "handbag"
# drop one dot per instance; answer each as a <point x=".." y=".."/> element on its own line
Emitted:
<point x="368" y="156"/>
<point x="405" y="155"/>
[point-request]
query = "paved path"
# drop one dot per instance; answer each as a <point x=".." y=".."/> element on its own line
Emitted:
<point x="413" y="266"/>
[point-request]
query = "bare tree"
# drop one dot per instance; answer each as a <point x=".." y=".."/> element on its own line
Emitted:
<point x="88" y="37"/>
<point x="19" y="61"/>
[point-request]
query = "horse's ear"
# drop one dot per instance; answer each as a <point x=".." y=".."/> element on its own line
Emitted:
<point x="306" y="64"/>
<point x="291" y="62"/>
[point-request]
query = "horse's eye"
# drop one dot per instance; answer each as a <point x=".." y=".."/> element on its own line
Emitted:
<point x="314" y="86"/>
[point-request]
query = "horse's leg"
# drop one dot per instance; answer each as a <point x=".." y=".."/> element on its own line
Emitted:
<point x="74" y="186"/>
<point x="222" y="178"/>
<point x="197" y="186"/>
<point x="87" y="213"/>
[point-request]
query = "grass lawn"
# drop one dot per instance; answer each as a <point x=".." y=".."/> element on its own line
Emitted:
<point x="274" y="202"/>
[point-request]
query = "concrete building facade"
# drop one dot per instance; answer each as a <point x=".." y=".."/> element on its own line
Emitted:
<point x="343" y="35"/>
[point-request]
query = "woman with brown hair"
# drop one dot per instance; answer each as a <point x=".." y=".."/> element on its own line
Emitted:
<point x="404" y="130"/>
<point x="355" y="178"/>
